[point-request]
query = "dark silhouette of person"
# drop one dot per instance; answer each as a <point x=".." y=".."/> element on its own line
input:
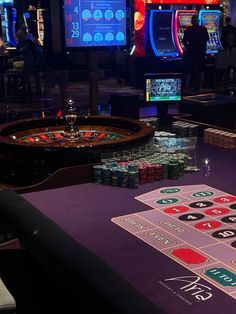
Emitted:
<point x="24" y="55"/>
<point x="228" y="34"/>
<point x="195" y="43"/>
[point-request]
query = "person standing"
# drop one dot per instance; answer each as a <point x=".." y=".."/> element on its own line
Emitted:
<point x="195" y="43"/>
<point x="228" y="35"/>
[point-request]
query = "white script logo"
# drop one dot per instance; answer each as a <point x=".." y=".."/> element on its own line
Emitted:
<point x="193" y="287"/>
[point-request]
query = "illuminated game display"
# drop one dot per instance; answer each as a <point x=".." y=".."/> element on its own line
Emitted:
<point x="140" y="18"/>
<point x="163" y="87"/>
<point x="194" y="226"/>
<point x="182" y="21"/>
<point x="161" y="26"/>
<point x="211" y="20"/>
<point x="95" y="23"/>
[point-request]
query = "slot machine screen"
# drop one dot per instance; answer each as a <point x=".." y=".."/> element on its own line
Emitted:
<point x="161" y="33"/>
<point x="95" y="23"/>
<point x="163" y="87"/>
<point x="211" y="20"/>
<point x="182" y="21"/>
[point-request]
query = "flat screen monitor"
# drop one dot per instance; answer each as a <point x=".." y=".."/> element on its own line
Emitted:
<point x="163" y="87"/>
<point x="94" y="23"/>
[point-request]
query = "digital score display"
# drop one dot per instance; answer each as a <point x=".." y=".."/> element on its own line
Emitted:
<point x="161" y="26"/>
<point x="95" y="23"/>
<point x="211" y="20"/>
<point x="182" y="21"/>
<point x="158" y="89"/>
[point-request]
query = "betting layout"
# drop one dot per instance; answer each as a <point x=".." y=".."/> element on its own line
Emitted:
<point x="193" y="225"/>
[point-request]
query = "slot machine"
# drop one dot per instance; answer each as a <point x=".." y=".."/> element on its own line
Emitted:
<point x="140" y="17"/>
<point x="182" y="21"/>
<point x="160" y="29"/>
<point x="211" y="20"/>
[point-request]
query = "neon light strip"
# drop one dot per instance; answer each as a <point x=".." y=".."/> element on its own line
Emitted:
<point x="172" y="33"/>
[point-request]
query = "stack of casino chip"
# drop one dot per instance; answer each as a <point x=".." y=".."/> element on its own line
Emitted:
<point x="172" y="165"/>
<point x="185" y="129"/>
<point x="106" y="175"/>
<point x="142" y="174"/>
<point x="220" y="138"/>
<point x="115" y="176"/>
<point x="182" y="166"/>
<point x="150" y="172"/>
<point x="158" y="172"/>
<point x="173" y="170"/>
<point x="154" y="167"/>
<point x="133" y="175"/>
<point x="124" y="177"/>
<point x="165" y="166"/>
<point x="97" y="174"/>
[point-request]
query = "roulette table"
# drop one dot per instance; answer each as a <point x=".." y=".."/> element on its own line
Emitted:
<point x="166" y="247"/>
<point x="33" y="149"/>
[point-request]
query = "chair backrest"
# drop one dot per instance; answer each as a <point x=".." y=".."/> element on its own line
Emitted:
<point x="232" y="61"/>
<point x="222" y="59"/>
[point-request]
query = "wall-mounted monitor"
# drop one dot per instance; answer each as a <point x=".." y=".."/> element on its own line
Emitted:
<point x="163" y="87"/>
<point x="94" y="23"/>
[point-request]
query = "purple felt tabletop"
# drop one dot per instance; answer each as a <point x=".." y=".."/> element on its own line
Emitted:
<point x="85" y="212"/>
